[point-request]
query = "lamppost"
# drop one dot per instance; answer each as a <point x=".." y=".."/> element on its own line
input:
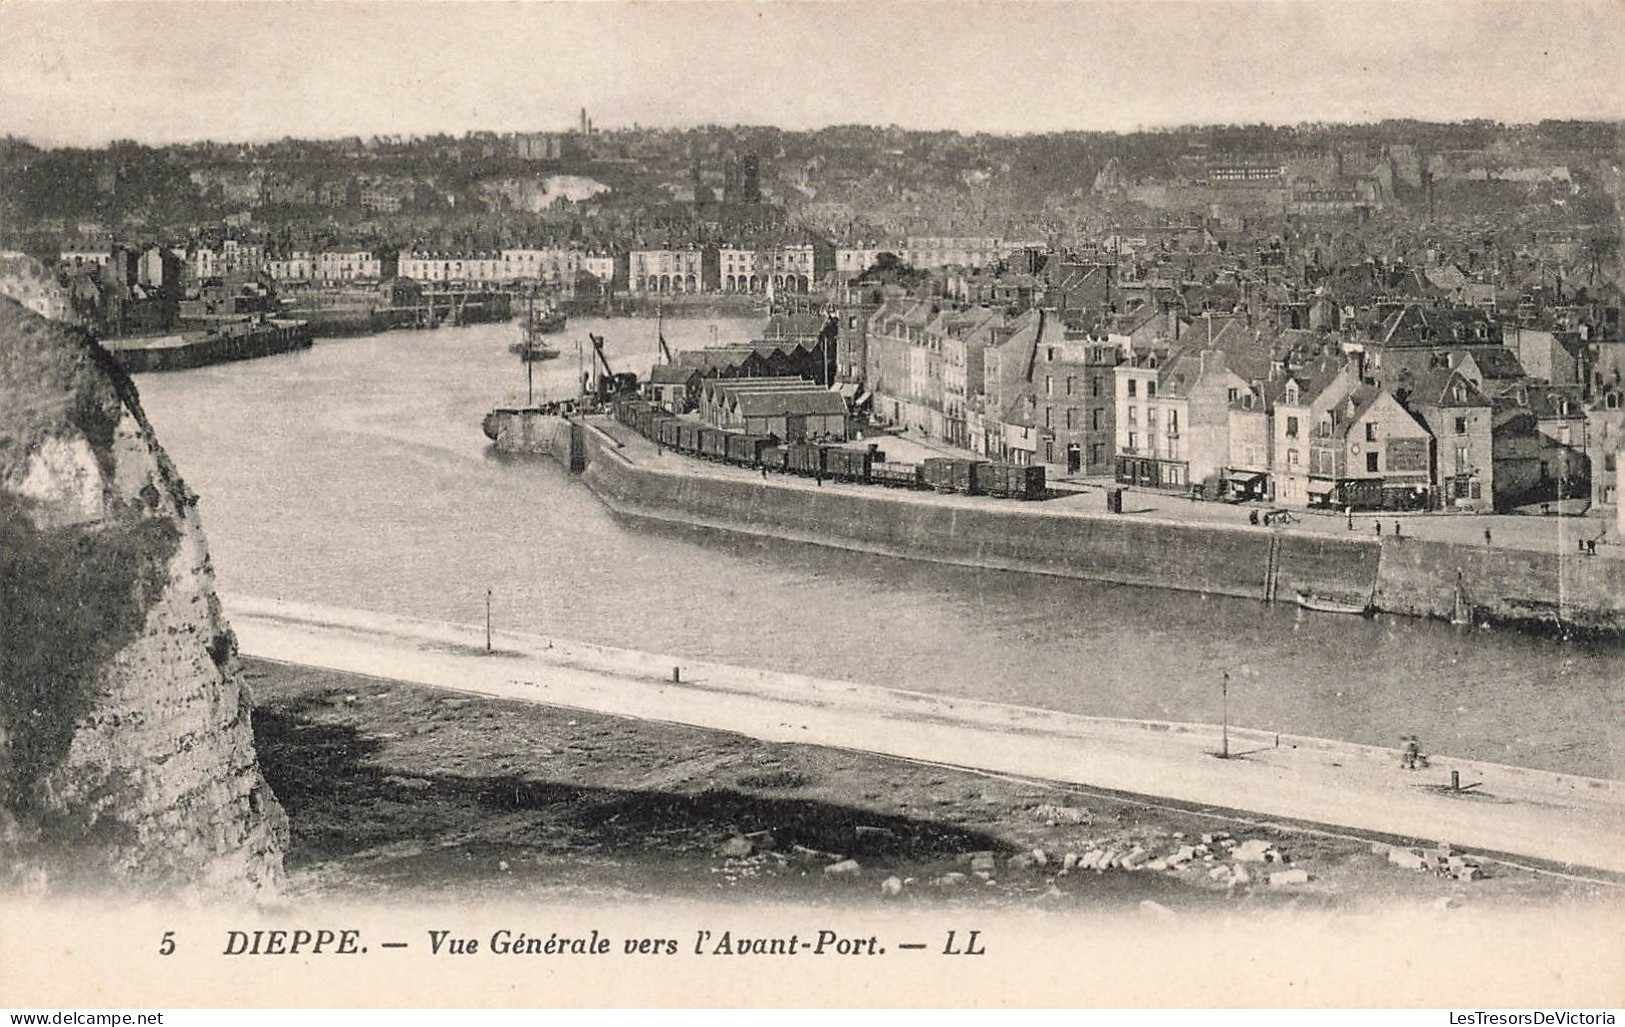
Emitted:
<point x="487" y="620"/>
<point x="1224" y="692"/>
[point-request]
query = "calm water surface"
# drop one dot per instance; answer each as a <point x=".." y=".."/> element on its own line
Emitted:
<point x="356" y="474"/>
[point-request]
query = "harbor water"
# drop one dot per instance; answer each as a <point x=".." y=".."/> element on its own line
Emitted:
<point x="355" y="474"/>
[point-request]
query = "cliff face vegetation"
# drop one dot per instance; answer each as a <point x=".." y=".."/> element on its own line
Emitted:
<point x="126" y="753"/>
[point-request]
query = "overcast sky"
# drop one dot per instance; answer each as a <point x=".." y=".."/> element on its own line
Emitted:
<point x="75" y="73"/>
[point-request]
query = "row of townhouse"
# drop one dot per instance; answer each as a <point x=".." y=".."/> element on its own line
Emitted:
<point x="236" y="258"/>
<point x="1322" y="435"/>
<point x="783" y="269"/>
<point x="927" y="252"/>
<point x="1022" y="388"/>
<point x="552" y="266"/>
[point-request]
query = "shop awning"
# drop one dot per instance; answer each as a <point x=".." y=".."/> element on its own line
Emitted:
<point x="1245" y="477"/>
<point x="1321" y="488"/>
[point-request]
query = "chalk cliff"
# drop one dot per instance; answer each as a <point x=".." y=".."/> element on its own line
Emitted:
<point x="126" y="753"/>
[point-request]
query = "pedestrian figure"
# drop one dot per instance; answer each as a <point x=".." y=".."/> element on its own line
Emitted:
<point x="1396" y="529"/>
<point x="764" y="472"/>
<point x="1487" y="536"/>
<point x="1378" y="526"/>
<point x="1413" y="751"/>
<point x="1349" y="511"/>
<point x="1252" y="517"/>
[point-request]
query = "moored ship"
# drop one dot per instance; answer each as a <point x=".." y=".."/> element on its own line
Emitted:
<point x="538" y="322"/>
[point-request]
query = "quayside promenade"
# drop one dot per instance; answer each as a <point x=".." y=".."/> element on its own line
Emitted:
<point x="1572" y="822"/>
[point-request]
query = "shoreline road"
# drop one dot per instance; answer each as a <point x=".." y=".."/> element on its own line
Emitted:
<point x="1557" y="818"/>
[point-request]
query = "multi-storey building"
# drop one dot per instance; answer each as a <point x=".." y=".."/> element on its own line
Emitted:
<point x="1461" y="419"/>
<point x="555" y="266"/>
<point x="966" y="335"/>
<point x="349" y="264"/>
<point x="1303" y="457"/>
<point x="1383" y="453"/>
<point x="293" y="266"/>
<point x="84" y="258"/>
<point x="245" y="259"/>
<point x="790" y="267"/>
<point x="851" y="261"/>
<point x="1174" y="417"/>
<point x="895" y="373"/>
<point x="667" y="270"/>
<point x="953" y="251"/>
<point x="601" y="266"/>
<point x="461" y="268"/>
<point x="1074" y="381"/>
<point x="737" y="265"/>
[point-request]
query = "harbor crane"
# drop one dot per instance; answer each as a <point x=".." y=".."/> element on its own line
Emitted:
<point x="608" y="384"/>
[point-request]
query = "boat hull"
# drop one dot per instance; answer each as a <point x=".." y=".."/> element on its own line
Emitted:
<point x="1326" y="604"/>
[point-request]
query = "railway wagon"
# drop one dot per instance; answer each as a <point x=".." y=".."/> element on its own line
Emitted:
<point x="938" y="472"/>
<point x="805" y="458"/>
<point x="962" y="473"/>
<point x="747" y="449"/>
<point x="849" y="464"/>
<point x="656" y="428"/>
<point x="669" y="431"/>
<point x="1026" y="481"/>
<point x="688" y="437"/>
<point x="713" y="444"/>
<point x="644" y="420"/>
<point x="773" y="457"/>
<point x="897" y="475"/>
<point x="990" y="479"/>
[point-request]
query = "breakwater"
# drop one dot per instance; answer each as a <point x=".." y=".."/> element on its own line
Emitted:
<point x="347" y="315"/>
<point x="214" y="346"/>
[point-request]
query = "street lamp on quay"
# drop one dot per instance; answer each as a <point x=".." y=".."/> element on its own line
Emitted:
<point x="1244" y="671"/>
<point x="487" y="620"/>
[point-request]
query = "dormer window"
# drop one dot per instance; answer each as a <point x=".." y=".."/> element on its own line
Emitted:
<point x="1459" y="392"/>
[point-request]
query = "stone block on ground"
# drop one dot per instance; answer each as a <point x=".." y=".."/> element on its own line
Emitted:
<point x="736" y="847"/>
<point x="1407" y="859"/>
<point x="1255" y="850"/>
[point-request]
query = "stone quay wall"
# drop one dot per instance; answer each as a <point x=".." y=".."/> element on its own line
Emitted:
<point x="1405" y="576"/>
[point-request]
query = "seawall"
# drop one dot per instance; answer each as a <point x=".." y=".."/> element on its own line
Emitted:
<point x="218" y="346"/>
<point x="528" y="430"/>
<point x="1409" y="577"/>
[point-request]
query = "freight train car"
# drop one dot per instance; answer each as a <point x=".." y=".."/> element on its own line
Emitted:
<point x="868" y="466"/>
<point x="849" y="464"/>
<point x="938" y="472"/>
<point x="805" y="458"/>
<point x="897" y="475"/>
<point x="1026" y="481"/>
<point x="714" y="443"/>
<point x="746" y="450"/>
